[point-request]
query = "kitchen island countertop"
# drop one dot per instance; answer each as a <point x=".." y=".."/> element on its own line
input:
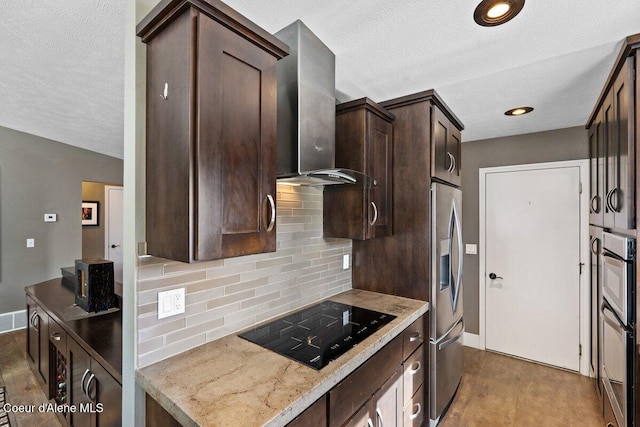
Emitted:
<point x="233" y="382"/>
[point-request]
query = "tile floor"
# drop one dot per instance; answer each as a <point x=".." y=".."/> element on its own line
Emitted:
<point x="501" y="391"/>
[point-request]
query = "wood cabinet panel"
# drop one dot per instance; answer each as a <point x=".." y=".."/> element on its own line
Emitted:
<point x="211" y="140"/>
<point x="313" y="416"/>
<point x="400" y="264"/>
<point x="612" y="130"/>
<point x="446" y="155"/>
<point x="93" y="391"/>
<point x="364" y="142"/>
<point x="38" y="342"/>
<point x="358" y="387"/>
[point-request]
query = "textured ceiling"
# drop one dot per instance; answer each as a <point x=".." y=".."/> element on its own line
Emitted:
<point x="62" y="71"/>
<point x="61" y="68"/>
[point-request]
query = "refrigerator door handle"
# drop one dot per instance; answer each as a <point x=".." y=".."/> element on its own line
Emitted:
<point x="455" y="224"/>
<point x="459" y="332"/>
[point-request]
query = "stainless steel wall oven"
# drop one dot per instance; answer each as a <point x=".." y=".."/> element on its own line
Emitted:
<point x="618" y="316"/>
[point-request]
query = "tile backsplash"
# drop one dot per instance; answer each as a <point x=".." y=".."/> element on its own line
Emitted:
<point x="225" y="296"/>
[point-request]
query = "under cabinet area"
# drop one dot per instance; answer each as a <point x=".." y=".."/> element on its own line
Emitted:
<point x="211" y="133"/>
<point x="364" y="142"/>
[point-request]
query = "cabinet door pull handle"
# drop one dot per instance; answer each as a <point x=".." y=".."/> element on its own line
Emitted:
<point x="88" y="388"/>
<point x="595" y="244"/>
<point x="272" y="207"/>
<point x="375" y="213"/>
<point x="414" y="337"/>
<point x="56" y="336"/>
<point x="412" y="370"/>
<point x="609" y="205"/>
<point x="82" y="386"/>
<point x="452" y="162"/>
<point x="165" y="93"/>
<point x="369" y="423"/>
<point x="36" y="321"/>
<point x="615" y="206"/>
<point x="595" y="208"/>
<point x="380" y="420"/>
<point x="417" y="412"/>
<point x="32" y="319"/>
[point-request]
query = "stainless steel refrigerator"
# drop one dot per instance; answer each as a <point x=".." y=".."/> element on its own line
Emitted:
<point x="447" y="325"/>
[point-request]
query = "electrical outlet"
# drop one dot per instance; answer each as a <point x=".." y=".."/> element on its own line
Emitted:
<point x="471" y="249"/>
<point x="170" y="303"/>
<point x="31" y="243"/>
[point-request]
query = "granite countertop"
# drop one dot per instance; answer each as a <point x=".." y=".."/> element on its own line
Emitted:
<point x="233" y="382"/>
<point x="100" y="334"/>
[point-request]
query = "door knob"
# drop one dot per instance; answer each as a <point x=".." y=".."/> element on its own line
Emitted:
<point x="493" y="276"/>
<point x="115" y="246"/>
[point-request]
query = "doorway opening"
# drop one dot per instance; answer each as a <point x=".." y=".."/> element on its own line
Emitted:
<point x="533" y="275"/>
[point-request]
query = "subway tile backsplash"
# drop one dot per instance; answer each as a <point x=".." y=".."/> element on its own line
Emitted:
<point x="225" y="296"/>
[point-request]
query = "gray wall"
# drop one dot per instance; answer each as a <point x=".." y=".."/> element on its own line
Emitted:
<point x="551" y="146"/>
<point x="39" y="176"/>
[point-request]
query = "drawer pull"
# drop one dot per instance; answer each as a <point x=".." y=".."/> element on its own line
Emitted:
<point x="369" y="423"/>
<point x="415" y="337"/>
<point x="88" y="391"/>
<point x="415" y="370"/>
<point x="56" y="336"/>
<point x="417" y="411"/>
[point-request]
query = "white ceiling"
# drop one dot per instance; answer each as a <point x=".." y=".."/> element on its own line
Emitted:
<point x="61" y="68"/>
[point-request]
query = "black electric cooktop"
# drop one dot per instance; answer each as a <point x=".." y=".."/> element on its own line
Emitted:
<point x="318" y="334"/>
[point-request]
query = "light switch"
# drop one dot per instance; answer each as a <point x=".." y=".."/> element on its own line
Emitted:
<point x="31" y="243"/>
<point x="345" y="261"/>
<point x="471" y="249"/>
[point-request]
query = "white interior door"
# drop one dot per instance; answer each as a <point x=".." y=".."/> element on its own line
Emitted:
<point x="532" y="244"/>
<point x="113" y="229"/>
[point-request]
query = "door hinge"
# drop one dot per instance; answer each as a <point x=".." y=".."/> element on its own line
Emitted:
<point x="580" y="266"/>
<point x="579" y="349"/>
<point x="580" y="188"/>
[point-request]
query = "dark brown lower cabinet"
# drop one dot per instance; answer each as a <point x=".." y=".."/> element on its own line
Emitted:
<point x="384" y="408"/>
<point x="315" y="415"/>
<point x="93" y="392"/>
<point x="38" y="341"/>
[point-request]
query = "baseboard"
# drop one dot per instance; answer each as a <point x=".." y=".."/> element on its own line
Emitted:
<point x="13" y="321"/>
<point x="471" y="340"/>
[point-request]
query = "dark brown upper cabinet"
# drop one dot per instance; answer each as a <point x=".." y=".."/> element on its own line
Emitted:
<point x="612" y="144"/>
<point x="446" y="159"/>
<point x="364" y="142"/>
<point x="596" y="171"/>
<point x="211" y="132"/>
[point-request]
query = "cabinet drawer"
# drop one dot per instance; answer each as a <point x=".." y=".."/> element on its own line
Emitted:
<point x="414" y="410"/>
<point x="358" y="387"/>
<point x="57" y="336"/>
<point x="413" y="373"/>
<point x="412" y="337"/>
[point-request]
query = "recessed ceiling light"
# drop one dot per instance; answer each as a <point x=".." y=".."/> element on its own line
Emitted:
<point x="518" y="111"/>
<point x="490" y="13"/>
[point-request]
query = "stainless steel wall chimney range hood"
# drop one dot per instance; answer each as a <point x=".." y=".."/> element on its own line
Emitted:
<point x="307" y="112"/>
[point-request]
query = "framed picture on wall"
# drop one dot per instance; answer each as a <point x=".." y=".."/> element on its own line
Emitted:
<point x="90" y="213"/>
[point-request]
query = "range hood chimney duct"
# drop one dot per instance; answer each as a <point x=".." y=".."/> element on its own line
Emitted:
<point x="307" y="112"/>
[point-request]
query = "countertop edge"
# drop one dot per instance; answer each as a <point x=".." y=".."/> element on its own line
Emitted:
<point x="305" y="400"/>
